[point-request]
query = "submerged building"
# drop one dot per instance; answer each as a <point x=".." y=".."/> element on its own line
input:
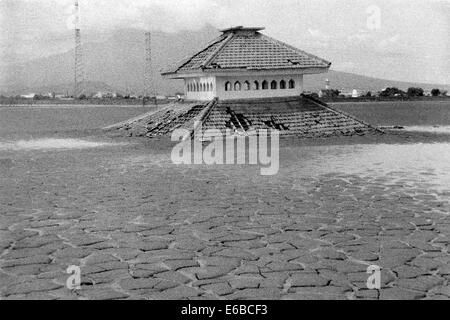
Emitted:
<point x="244" y="63"/>
<point x="244" y="81"/>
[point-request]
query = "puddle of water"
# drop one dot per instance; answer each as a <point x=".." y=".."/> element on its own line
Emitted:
<point x="433" y="129"/>
<point x="51" y="143"/>
<point x="71" y="106"/>
<point x="425" y="164"/>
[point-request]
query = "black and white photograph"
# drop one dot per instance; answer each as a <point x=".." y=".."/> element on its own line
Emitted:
<point x="224" y="155"/>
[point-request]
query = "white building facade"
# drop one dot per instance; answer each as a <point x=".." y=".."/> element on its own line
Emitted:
<point x="242" y="87"/>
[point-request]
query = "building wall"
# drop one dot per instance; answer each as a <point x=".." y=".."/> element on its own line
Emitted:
<point x="267" y="93"/>
<point x="207" y="88"/>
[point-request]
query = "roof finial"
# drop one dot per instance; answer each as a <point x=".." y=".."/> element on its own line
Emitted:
<point x="242" y="29"/>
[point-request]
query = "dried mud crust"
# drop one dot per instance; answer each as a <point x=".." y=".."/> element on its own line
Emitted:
<point x="142" y="228"/>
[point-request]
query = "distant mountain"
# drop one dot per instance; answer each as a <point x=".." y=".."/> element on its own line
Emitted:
<point x="346" y="82"/>
<point x="65" y="88"/>
<point x="116" y="63"/>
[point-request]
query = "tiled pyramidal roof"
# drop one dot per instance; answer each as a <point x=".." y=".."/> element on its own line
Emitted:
<point x="295" y="116"/>
<point x="246" y="48"/>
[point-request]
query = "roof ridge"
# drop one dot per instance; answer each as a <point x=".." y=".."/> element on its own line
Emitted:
<point x="273" y="40"/>
<point x="216" y="52"/>
<point x="182" y="62"/>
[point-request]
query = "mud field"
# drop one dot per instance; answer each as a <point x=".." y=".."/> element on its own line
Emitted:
<point x="140" y="227"/>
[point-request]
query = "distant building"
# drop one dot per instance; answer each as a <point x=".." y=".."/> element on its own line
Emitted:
<point x="243" y="63"/>
<point x="63" y="97"/>
<point x="101" y="95"/>
<point x="28" y="96"/>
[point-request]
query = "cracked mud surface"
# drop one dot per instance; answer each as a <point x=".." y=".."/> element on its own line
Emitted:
<point x="142" y="228"/>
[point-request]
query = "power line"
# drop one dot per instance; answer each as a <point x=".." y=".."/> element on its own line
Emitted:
<point x="79" y="65"/>
<point x="148" y="83"/>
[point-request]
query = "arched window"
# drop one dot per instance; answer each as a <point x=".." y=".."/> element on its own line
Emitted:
<point x="273" y="85"/>
<point x="237" y="86"/>
<point x="208" y="87"/>
<point x="291" y="84"/>
<point x="204" y="87"/>
<point x="246" y="86"/>
<point x="265" y="85"/>
<point x="197" y="87"/>
<point x="256" y="85"/>
<point x="282" y="84"/>
<point x="211" y="86"/>
<point x="228" y="86"/>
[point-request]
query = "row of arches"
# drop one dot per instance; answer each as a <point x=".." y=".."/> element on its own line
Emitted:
<point x="199" y="87"/>
<point x="246" y="86"/>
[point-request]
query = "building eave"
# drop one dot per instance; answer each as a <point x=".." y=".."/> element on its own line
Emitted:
<point x="243" y="72"/>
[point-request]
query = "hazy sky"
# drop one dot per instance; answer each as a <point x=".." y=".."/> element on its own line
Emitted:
<point x="396" y="39"/>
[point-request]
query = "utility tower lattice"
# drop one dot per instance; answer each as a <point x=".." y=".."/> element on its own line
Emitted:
<point x="79" y="66"/>
<point x="148" y="84"/>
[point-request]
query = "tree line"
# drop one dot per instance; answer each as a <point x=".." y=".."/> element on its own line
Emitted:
<point x="411" y="92"/>
<point x="386" y="93"/>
